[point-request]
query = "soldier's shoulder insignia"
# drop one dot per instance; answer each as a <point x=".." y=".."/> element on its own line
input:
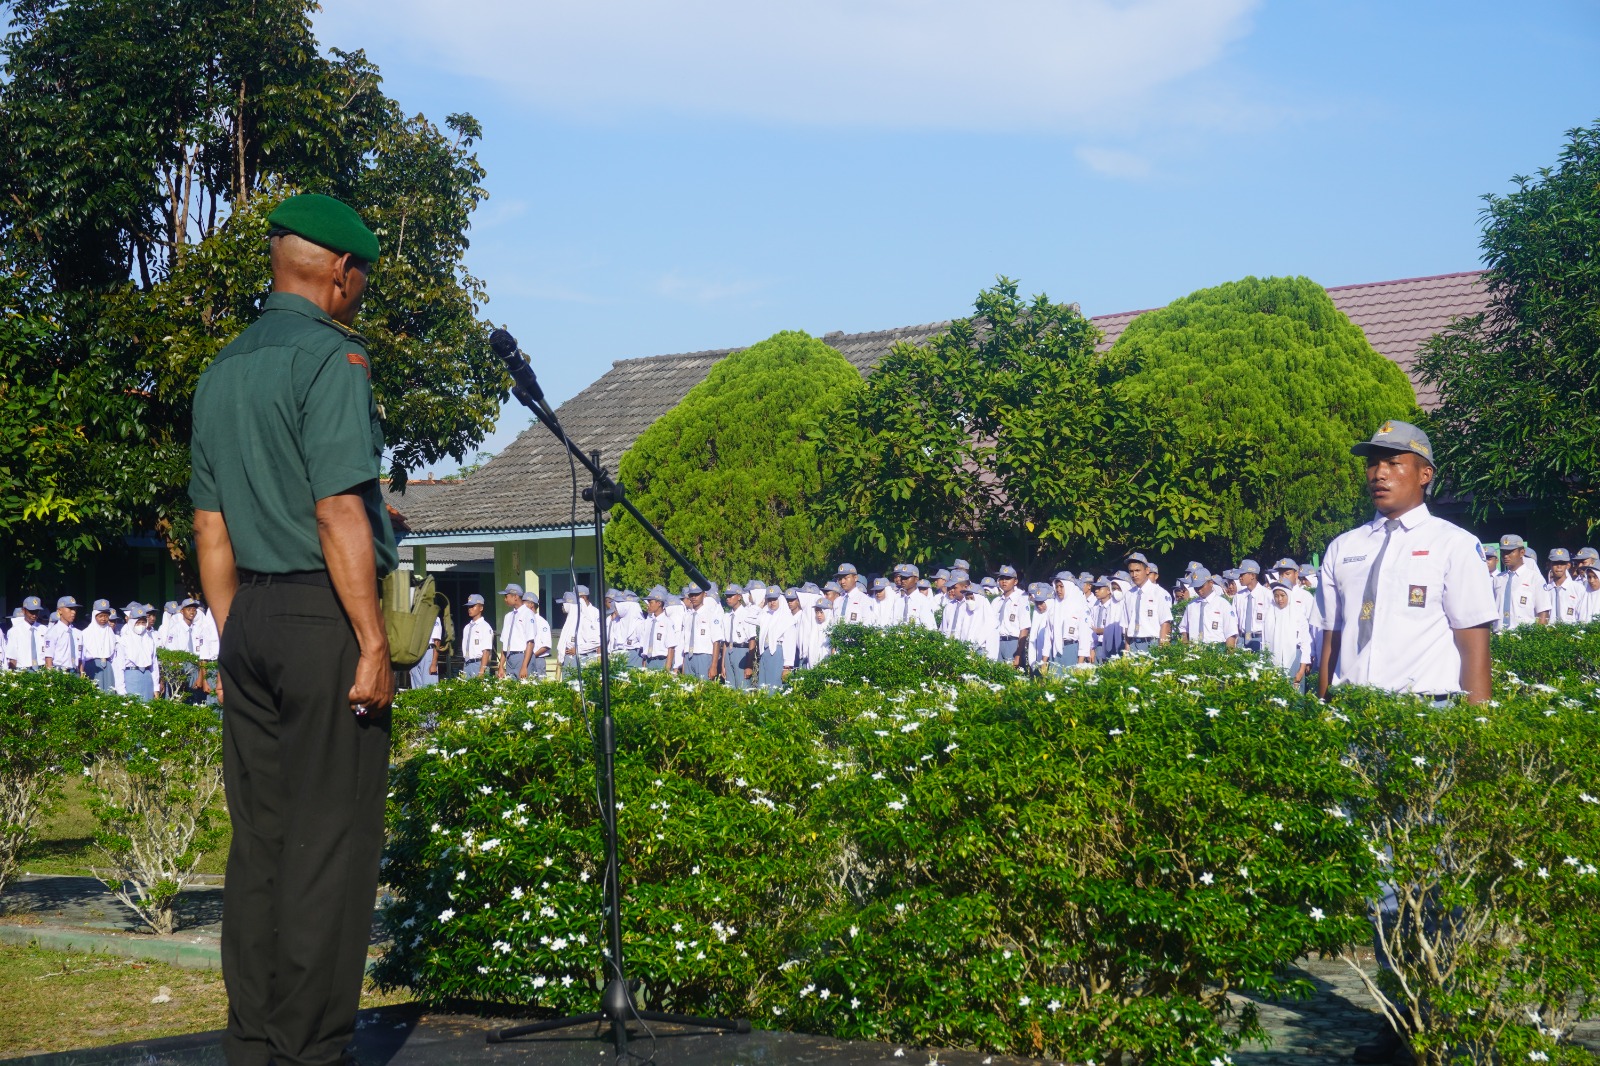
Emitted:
<point x="357" y="359"/>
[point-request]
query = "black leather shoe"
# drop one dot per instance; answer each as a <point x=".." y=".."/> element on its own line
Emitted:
<point x="1387" y="1047"/>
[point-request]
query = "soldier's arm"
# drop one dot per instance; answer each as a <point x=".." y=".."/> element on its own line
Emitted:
<point x="219" y="573"/>
<point x="346" y="538"/>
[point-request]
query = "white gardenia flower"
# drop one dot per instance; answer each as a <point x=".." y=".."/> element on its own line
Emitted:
<point x="1206" y="878"/>
<point x="854" y="1003"/>
<point x="1544" y="873"/>
<point x="824" y="994"/>
<point x="1419" y="760"/>
<point x="446" y="914"/>
<point x="1277" y="827"/>
<point x="1316" y="914"/>
<point x="1024" y="1001"/>
<point x="516" y="893"/>
<point x="854" y="930"/>
<point x="1212" y="712"/>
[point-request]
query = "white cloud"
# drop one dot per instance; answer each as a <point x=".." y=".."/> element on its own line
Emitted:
<point x="675" y="286"/>
<point x="1004" y="64"/>
<point x="1114" y="162"/>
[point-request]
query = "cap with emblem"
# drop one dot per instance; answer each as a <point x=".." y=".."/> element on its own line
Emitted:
<point x="1136" y="557"/>
<point x="791" y="594"/>
<point x="810" y="589"/>
<point x="1066" y="575"/>
<point x="1085" y="576"/>
<point x="1511" y="542"/>
<point x="191" y="602"/>
<point x="733" y="589"/>
<point x="569" y="597"/>
<point x="1102" y="583"/>
<point x="171" y="606"/>
<point x="910" y="570"/>
<point x="924" y="583"/>
<point x="1286" y="564"/>
<point x="133" y="605"/>
<point x="1198" y="577"/>
<point x="323" y="220"/>
<point x="1154" y="569"/>
<point x="959" y="577"/>
<point x="1249" y="566"/>
<point x="530" y="597"/>
<point x="134" y="612"/>
<point x="1123" y="576"/>
<point x="1230" y="575"/>
<point x="657" y="594"/>
<point x="845" y="568"/>
<point x="1007" y="571"/>
<point x="773" y="594"/>
<point x="32" y="603"/>
<point x="1396" y="437"/>
<point x="475" y="598"/>
<point x="693" y="589"/>
<point x="1586" y="553"/>
<point x="511" y="590"/>
<point x="990" y="583"/>
<point x="101" y="605"/>
<point x="879" y="584"/>
<point x="67" y="601"/>
<point x="583" y="590"/>
<point x="1559" y="555"/>
<point x="833" y="586"/>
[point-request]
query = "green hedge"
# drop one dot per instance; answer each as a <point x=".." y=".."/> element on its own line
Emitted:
<point x="910" y="846"/>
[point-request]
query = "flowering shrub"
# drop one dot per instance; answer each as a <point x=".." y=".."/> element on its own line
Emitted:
<point x="155" y="781"/>
<point x="47" y="723"/>
<point x="1486" y="821"/>
<point x="900" y="657"/>
<point x="1080" y="868"/>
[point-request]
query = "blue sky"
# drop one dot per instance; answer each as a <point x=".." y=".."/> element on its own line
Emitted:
<point x="670" y="177"/>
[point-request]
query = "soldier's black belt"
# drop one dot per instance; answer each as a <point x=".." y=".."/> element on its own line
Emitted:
<point x="318" y="578"/>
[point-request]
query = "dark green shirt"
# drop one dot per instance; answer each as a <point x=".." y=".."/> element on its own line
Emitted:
<point x="284" y="417"/>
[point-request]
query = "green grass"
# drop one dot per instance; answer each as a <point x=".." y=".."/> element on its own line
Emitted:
<point x="59" y="1001"/>
<point x="66" y="843"/>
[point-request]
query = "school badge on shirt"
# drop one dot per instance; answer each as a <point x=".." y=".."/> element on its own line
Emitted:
<point x="1419" y="596"/>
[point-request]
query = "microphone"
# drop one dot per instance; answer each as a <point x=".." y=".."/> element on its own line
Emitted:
<point x="505" y="346"/>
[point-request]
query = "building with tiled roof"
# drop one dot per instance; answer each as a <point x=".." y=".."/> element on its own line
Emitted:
<point x="520" y="503"/>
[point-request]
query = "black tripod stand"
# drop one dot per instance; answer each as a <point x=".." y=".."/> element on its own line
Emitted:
<point x="616" y="1002"/>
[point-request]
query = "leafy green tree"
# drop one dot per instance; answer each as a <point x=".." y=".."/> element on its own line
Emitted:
<point x="142" y="145"/>
<point x="1519" y="414"/>
<point x="1009" y="436"/>
<point x="1273" y="360"/>
<point x="730" y="473"/>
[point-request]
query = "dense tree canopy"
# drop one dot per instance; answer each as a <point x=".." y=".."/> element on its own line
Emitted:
<point x="142" y="145"/>
<point x="1519" y="387"/>
<point x="1272" y="360"/>
<point x="730" y="474"/>
<point x="1010" y="438"/>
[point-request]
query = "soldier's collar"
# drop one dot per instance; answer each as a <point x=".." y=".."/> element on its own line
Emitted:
<point x="289" y="301"/>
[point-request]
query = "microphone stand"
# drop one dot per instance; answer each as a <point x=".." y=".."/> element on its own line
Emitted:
<point x="616" y="1002"/>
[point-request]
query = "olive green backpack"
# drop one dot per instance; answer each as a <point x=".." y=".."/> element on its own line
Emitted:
<point x="409" y="618"/>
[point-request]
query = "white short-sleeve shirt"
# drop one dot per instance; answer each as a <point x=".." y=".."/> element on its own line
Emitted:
<point x="1520" y="596"/>
<point x="1565" y="601"/>
<point x="1433" y="581"/>
<point x="1210" y="619"/>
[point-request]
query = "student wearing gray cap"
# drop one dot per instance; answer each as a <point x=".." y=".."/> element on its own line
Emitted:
<point x="1011" y="614"/>
<point x="1519" y="589"/>
<point x="1146" y="608"/>
<point x="100" y="647"/>
<point x="1103" y="622"/>
<point x="1208" y="618"/>
<point x="736" y="653"/>
<point x="660" y="649"/>
<point x="25" y="638"/>
<point x="1250" y="605"/>
<point x="775" y="621"/>
<point x="516" y="635"/>
<point x="1404" y="601"/>
<point x="580" y="632"/>
<point x="477" y="639"/>
<point x="703" y="624"/>
<point x="1562" y="592"/>
<point x="136" y="655"/>
<point x="854" y="605"/>
<point x="63" y="644"/>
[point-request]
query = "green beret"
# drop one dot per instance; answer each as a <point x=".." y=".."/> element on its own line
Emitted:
<point x="323" y="220"/>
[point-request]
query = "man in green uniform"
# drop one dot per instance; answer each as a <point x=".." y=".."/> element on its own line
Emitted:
<point x="293" y="538"/>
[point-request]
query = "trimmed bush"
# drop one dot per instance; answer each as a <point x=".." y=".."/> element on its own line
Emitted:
<point x="155" y="782"/>
<point x="1275" y="360"/>
<point x="47" y="726"/>
<point x="1079" y="868"/>
<point x="729" y="474"/>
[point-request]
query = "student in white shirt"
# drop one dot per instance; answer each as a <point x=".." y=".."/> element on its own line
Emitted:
<point x="1562" y="592"/>
<point x="477" y="639"/>
<point x="516" y="635"/>
<point x="1146" y="608"/>
<point x="25" y="640"/>
<point x="1519" y="589"/>
<point x="798" y="634"/>
<point x="631" y="623"/>
<point x="1250" y="605"/>
<point x="580" y="632"/>
<point x="854" y="606"/>
<point x="425" y="671"/>
<point x="818" y="645"/>
<point x="63" y="644"/>
<point x="1103" y="622"/>
<point x="136" y="656"/>
<point x="1069" y="636"/>
<point x="1208" y="619"/>
<point x="1285" y="635"/>
<point x="775" y="621"/>
<point x="1589" y="605"/>
<point x="1010" y="618"/>
<point x="100" y="647"/>
<point x="1403" y="601"/>
<point x="737" y="650"/>
<point x="661" y="633"/>
<point x="702" y="625"/>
